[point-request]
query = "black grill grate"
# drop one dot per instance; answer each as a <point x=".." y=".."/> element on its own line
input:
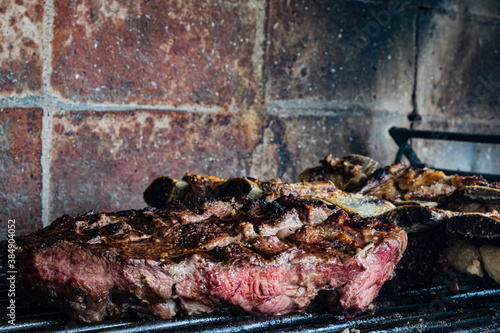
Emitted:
<point x="402" y="136"/>
<point x="474" y="308"/>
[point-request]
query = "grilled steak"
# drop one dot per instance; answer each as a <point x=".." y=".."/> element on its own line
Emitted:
<point x="165" y="189"/>
<point x="266" y="256"/>
<point x="348" y="173"/>
<point x="402" y="184"/>
<point x="456" y="213"/>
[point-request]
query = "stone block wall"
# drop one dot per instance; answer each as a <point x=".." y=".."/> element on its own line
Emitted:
<point x="97" y="98"/>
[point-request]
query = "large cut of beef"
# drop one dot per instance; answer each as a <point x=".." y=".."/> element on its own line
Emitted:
<point x="269" y="256"/>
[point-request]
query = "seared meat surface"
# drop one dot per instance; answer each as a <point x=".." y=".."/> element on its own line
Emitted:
<point x="267" y="256"/>
<point x="403" y="185"/>
<point x="457" y="214"/>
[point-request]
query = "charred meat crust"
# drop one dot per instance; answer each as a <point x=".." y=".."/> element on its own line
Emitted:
<point x="193" y="186"/>
<point x="485" y="225"/>
<point x="401" y="184"/>
<point x="348" y="172"/>
<point x="263" y="256"/>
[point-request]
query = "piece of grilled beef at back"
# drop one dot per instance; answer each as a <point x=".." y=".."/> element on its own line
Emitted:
<point x="265" y="256"/>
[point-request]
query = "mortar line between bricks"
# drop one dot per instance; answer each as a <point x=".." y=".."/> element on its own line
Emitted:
<point x="259" y="49"/>
<point x="46" y="160"/>
<point x="321" y="113"/>
<point x="267" y="38"/>
<point x="48" y="24"/>
<point x="65" y="106"/>
<point x="46" y="136"/>
<point x="61" y="106"/>
<point x="324" y="109"/>
<point x="358" y="111"/>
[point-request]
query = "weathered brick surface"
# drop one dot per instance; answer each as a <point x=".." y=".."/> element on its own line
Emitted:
<point x="458" y="67"/>
<point x="149" y="52"/>
<point x="294" y="143"/>
<point x="20" y="169"/>
<point x="20" y="46"/>
<point x="477" y="158"/>
<point x="345" y="51"/>
<point x="105" y="160"/>
<point x="475" y="7"/>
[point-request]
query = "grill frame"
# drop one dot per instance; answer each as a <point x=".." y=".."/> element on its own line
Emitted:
<point x="402" y="137"/>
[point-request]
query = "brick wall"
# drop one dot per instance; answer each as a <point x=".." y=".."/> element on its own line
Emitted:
<point x="100" y="97"/>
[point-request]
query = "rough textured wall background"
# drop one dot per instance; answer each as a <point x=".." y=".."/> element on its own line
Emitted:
<point x="99" y="98"/>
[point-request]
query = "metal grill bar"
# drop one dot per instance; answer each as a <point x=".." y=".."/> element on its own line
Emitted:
<point x="402" y="136"/>
<point x="403" y="133"/>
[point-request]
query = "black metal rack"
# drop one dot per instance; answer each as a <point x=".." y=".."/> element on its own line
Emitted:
<point x="403" y="135"/>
